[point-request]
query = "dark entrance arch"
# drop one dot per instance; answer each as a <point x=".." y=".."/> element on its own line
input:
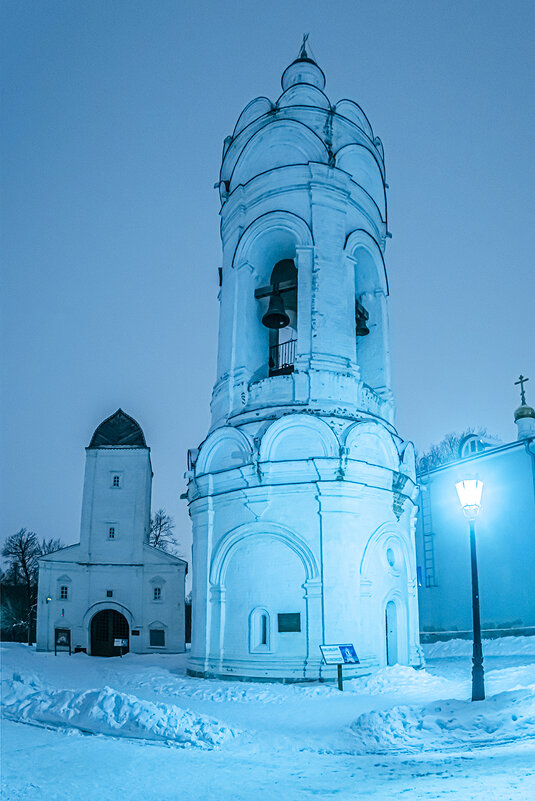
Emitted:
<point x="106" y="627"/>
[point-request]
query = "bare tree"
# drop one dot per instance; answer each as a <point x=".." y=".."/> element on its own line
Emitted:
<point x="161" y="532"/>
<point x="49" y="546"/>
<point x="446" y="451"/>
<point x="22" y="552"/>
<point x="13" y="613"/>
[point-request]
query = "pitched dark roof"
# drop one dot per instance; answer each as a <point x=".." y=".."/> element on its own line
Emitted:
<point x="119" y="429"/>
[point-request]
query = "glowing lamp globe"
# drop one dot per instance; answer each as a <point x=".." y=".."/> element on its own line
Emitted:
<point x="469" y="492"/>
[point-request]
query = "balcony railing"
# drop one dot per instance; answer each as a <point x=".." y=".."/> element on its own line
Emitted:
<point x="282" y="357"/>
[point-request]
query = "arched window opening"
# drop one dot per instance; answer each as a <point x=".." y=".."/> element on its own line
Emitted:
<point x="63" y="588"/>
<point x="370" y="331"/>
<point x="259" y="630"/>
<point x="281" y="317"/>
<point x="470" y="446"/>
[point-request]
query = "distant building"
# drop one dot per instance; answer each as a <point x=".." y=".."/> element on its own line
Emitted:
<point x="113" y="586"/>
<point x="505" y="532"/>
<point x="302" y="496"/>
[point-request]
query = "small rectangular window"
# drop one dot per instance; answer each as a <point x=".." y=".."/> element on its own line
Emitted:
<point x="116" y="481"/>
<point x="109" y="593"/>
<point x="64" y="593"/>
<point x="157" y="593"/>
<point x="289" y="621"/>
<point x="157" y="638"/>
<point x="111" y="533"/>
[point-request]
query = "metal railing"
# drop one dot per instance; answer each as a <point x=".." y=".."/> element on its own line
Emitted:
<point x="282" y="357"/>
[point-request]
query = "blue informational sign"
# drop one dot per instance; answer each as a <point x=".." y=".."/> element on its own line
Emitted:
<point x="343" y="654"/>
<point x="349" y="655"/>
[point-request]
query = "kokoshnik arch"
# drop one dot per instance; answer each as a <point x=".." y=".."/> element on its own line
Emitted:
<point x="302" y="496"/>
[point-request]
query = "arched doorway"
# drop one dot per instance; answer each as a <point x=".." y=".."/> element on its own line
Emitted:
<point x="107" y="627"/>
<point x="391" y="634"/>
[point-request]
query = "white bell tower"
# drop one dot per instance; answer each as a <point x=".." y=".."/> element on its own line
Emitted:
<point x="302" y="495"/>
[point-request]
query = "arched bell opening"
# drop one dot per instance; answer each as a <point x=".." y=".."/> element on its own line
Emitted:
<point x="280" y="317"/>
<point x="370" y="322"/>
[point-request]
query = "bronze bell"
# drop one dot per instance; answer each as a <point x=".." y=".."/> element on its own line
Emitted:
<point x="276" y="316"/>
<point x="362" y="328"/>
<point x="362" y="317"/>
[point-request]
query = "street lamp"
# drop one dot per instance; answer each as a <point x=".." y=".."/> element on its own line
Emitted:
<point x="469" y="493"/>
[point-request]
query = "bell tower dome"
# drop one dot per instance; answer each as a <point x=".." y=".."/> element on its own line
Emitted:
<point x="302" y="456"/>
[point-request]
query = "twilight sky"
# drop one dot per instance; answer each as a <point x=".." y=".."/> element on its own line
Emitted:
<point x="114" y="114"/>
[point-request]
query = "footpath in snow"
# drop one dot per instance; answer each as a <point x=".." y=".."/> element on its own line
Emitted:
<point x="295" y="736"/>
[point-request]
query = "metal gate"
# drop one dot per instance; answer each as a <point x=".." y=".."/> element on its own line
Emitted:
<point x="107" y="626"/>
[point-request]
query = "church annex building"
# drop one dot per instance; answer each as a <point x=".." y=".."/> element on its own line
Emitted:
<point x="113" y="592"/>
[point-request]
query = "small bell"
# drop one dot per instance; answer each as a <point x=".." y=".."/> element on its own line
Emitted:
<point x="276" y="316"/>
<point x="361" y="320"/>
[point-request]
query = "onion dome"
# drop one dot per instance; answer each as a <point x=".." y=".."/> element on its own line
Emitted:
<point x="524" y="411"/>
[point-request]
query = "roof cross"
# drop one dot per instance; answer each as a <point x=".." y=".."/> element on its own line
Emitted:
<point x="522" y="381"/>
<point x="303" y="52"/>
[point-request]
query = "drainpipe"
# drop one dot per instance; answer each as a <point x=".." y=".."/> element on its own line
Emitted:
<point x="530" y="449"/>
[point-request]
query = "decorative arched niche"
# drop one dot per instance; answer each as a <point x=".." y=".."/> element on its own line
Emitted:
<point x="363" y="167"/>
<point x="407" y="465"/>
<point x="267" y="256"/>
<point x="353" y="112"/>
<point x="224" y="449"/>
<point x="259" y="630"/>
<point x="371" y="290"/>
<point x="371" y="442"/>
<point x="304" y="94"/>
<point x="249" y="532"/>
<point x="157" y="634"/>
<point x="279" y="143"/>
<point x="252" y="111"/>
<point x="259" y="573"/>
<point x="298" y="436"/>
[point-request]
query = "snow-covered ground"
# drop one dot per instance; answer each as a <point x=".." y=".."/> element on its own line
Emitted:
<point x="138" y="728"/>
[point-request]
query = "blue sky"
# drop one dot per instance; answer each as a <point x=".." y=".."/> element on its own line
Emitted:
<point x="114" y="118"/>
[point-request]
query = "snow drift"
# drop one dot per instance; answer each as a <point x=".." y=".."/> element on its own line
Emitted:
<point x="110" y="712"/>
<point x="444" y="725"/>
<point x="401" y="679"/>
<point x="502" y="646"/>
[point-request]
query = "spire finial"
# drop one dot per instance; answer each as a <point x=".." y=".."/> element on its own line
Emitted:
<point x="522" y="381"/>
<point x="303" y="51"/>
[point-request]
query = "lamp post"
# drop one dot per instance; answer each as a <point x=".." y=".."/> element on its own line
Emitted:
<point x="469" y="493"/>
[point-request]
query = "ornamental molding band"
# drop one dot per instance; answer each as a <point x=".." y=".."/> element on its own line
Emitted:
<point x="302" y="495"/>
